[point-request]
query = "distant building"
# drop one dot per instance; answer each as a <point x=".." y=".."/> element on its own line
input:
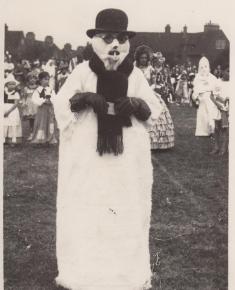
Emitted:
<point x="29" y="48"/>
<point x="177" y="47"/>
<point x="13" y="40"/>
<point x="22" y="46"/>
<point x="183" y="46"/>
<point x="48" y="49"/>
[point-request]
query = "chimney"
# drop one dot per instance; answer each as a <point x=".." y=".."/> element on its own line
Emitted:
<point x="185" y="29"/>
<point x="168" y="28"/>
<point x="6" y="28"/>
<point x="211" y="27"/>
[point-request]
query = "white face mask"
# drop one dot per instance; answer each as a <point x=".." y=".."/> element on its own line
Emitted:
<point x="111" y="54"/>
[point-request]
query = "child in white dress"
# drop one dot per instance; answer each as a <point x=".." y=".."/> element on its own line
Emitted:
<point x="12" y="121"/>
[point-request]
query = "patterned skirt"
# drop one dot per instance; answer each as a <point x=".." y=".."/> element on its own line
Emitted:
<point x="45" y="127"/>
<point x="162" y="134"/>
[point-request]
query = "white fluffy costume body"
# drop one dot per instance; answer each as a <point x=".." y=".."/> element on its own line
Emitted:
<point x="103" y="202"/>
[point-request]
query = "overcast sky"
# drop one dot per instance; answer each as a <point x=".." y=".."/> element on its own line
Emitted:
<point x="68" y="20"/>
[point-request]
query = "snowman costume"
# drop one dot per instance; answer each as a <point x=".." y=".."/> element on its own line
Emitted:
<point x="105" y="173"/>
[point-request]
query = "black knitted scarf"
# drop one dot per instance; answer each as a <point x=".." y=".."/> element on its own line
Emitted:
<point x="111" y="85"/>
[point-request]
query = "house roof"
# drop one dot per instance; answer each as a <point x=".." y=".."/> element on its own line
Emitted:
<point x="13" y="39"/>
<point x="192" y="43"/>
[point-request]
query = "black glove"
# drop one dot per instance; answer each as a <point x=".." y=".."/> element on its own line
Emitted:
<point x="81" y="100"/>
<point x="127" y="106"/>
<point x="123" y="107"/>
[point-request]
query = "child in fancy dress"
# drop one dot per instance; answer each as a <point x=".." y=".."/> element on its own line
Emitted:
<point x="162" y="134"/>
<point x="220" y="97"/>
<point x="62" y="75"/>
<point x="12" y="121"/>
<point x="50" y="68"/>
<point x="29" y="108"/>
<point x="182" y="89"/>
<point x="45" y="124"/>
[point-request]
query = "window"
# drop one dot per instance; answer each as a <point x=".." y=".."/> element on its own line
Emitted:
<point x="220" y="44"/>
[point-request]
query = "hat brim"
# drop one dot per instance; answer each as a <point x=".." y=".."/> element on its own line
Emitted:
<point x="91" y="32"/>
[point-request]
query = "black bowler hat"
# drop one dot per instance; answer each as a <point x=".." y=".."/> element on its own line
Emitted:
<point x="111" y="20"/>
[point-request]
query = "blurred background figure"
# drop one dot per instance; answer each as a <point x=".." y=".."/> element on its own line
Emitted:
<point x="29" y="108"/>
<point x="181" y="91"/>
<point x="220" y="97"/>
<point x="204" y="85"/>
<point x="50" y="68"/>
<point x="12" y="121"/>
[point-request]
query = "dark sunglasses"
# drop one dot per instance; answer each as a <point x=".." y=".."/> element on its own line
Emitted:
<point x="109" y="37"/>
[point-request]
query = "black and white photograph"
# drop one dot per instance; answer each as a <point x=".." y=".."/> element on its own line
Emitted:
<point x="116" y="144"/>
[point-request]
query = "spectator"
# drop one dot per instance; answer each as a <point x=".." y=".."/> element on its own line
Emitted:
<point x="62" y="75"/>
<point x="12" y="121"/>
<point x="29" y="108"/>
<point x="143" y="62"/>
<point x="48" y="49"/>
<point x="45" y="124"/>
<point x="220" y="97"/>
<point x="181" y="91"/>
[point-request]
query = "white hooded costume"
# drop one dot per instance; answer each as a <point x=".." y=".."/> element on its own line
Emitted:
<point x="204" y="84"/>
<point x="103" y="202"/>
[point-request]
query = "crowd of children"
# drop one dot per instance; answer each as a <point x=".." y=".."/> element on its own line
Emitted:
<point x="29" y="90"/>
<point x="174" y="84"/>
<point x="31" y="87"/>
<point x="187" y="85"/>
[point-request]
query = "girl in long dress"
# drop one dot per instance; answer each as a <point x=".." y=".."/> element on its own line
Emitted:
<point x="162" y="133"/>
<point x="45" y="127"/>
<point x="207" y="112"/>
<point x="181" y="91"/>
<point x="12" y="121"/>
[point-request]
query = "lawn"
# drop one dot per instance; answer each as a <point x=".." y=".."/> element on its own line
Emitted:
<point x="188" y="236"/>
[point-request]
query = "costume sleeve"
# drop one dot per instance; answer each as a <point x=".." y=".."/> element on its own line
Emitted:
<point x="145" y="92"/>
<point x="196" y="89"/>
<point x="65" y="118"/>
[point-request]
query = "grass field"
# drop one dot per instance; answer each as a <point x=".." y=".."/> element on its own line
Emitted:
<point x="188" y="236"/>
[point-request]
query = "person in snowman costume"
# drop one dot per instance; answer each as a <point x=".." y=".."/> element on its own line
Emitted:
<point x="105" y="174"/>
